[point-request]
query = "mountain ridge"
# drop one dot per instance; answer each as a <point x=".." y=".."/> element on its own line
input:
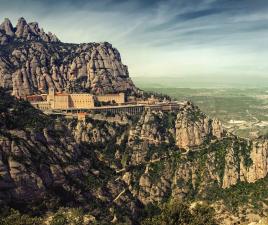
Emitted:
<point x="24" y="31"/>
<point x="31" y="61"/>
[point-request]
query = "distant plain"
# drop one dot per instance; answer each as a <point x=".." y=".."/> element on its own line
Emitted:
<point x="241" y="104"/>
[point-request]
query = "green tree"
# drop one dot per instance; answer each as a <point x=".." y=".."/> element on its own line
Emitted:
<point x="203" y="215"/>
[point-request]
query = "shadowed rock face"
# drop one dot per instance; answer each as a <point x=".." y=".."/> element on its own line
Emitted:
<point x="45" y="162"/>
<point x="31" y="61"/>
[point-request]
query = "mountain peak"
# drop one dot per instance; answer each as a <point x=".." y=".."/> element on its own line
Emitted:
<point x="23" y="30"/>
<point x="7" y="27"/>
<point x="21" y="20"/>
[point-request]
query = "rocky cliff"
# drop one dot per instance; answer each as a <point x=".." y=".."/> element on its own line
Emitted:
<point x="44" y="166"/>
<point x="193" y="127"/>
<point x="199" y="141"/>
<point x="186" y="155"/>
<point x="126" y="162"/>
<point x="31" y="61"/>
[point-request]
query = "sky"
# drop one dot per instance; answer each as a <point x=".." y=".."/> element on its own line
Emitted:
<point x="161" y="38"/>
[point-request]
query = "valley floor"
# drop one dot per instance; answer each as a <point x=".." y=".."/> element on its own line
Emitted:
<point x="242" y="111"/>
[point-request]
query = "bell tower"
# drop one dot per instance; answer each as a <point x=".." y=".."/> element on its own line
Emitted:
<point x="51" y="97"/>
<point x="51" y="91"/>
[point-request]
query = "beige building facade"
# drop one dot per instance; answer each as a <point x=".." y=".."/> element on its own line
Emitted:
<point x="68" y="101"/>
<point x="117" y="98"/>
<point x="78" y="103"/>
<point x="81" y="101"/>
<point x="41" y="105"/>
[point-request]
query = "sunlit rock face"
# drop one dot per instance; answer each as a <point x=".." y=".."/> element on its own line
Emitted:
<point x="193" y="127"/>
<point x="259" y="167"/>
<point x="31" y="61"/>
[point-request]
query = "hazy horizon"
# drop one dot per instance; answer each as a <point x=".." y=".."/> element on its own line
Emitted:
<point x="206" y="82"/>
<point x="156" y="37"/>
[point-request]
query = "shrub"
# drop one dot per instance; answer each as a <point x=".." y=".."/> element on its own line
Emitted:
<point x="15" y="218"/>
<point x="59" y="219"/>
<point x="175" y="213"/>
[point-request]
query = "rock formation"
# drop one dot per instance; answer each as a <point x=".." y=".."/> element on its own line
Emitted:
<point x="193" y="127"/>
<point x="24" y="31"/>
<point x="115" y="157"/>
<point x="31" y="61"/>
<point x="147" y="129"/>
<point x="42" y="161"/>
